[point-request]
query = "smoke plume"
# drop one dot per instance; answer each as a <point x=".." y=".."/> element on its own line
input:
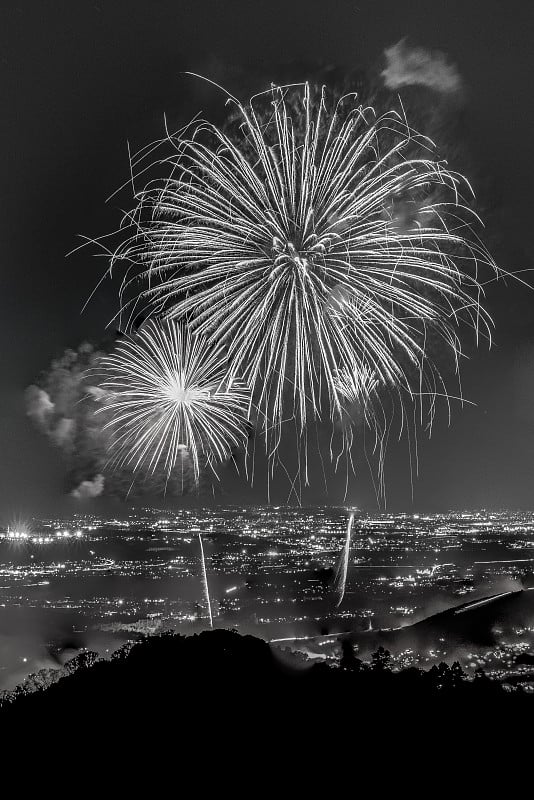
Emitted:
<point x="88" y="489"/>
<point x="39" y="407"/>
<point x="416" y="66"/>
<point x="64" y="405"/>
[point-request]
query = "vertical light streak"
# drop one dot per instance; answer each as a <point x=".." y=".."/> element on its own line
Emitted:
<point x="343" y="563"/>
<point x="205" y="579"/>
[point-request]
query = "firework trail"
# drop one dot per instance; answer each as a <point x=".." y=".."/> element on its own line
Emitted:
<point x="205" y="579"/>
<point x="361" y="401"/>
<point x="316" y="242"/>
<point x="340" y="579"/>
<point x="170" y="402"/>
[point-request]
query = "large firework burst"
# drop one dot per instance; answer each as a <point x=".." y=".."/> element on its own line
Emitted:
<point x="316" y="243"/>
<point x="169" y="402"/>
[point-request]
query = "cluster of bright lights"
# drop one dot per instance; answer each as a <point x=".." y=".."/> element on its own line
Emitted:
<point x="15" y="535"/>
<point x="24" y="536"/>
<point x="68" y="534"/>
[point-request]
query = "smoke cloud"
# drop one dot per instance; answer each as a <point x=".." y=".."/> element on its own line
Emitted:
<point x="88" y="489"/>
<point x="39" y="406"/>
<point x="416" y="66"/>
<point x="62" y="435"/>
<point x="64" y="408"/>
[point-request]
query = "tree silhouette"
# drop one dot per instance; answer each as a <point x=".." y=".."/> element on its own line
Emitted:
<point x="348" y="660"/>
<point x="381" y="660"/>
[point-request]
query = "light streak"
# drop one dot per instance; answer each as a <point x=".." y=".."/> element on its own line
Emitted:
<point x="504" y="561"/>
<point x="483" y="602"/>
<point x="341" y="569"/>
<point x="401" y="566"/>
<point x="205" y="578"/>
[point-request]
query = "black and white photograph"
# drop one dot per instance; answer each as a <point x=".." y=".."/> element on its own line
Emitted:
<point x="267" y="383"/>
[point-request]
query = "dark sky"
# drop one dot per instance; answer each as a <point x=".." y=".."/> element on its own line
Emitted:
<point x="79" y="79"/>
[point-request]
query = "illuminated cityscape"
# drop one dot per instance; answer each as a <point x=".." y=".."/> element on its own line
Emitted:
<point x="93" y="583"/>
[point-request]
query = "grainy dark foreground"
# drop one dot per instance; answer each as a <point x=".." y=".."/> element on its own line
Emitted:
<point x="221" y="675"/>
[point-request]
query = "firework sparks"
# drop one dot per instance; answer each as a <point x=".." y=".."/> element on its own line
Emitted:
<point x="321" y="242"/>
<point x="342" y="566"/>
<point x="169" y="401"/>
<point x="360" y="400"/>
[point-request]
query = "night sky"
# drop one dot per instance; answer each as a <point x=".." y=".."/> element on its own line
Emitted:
<point x="80" y="79"/>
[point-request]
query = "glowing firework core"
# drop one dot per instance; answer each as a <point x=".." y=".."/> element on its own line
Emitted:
<point x="178" y="392"/>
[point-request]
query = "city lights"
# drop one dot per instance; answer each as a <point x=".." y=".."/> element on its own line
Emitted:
<point x="272" y="572"/>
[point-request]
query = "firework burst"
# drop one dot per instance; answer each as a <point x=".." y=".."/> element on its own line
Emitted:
<point x="168" y="402"/>
<point x="318" y="243"/>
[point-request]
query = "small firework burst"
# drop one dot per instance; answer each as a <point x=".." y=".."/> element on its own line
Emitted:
<point x="169" y="403"/>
